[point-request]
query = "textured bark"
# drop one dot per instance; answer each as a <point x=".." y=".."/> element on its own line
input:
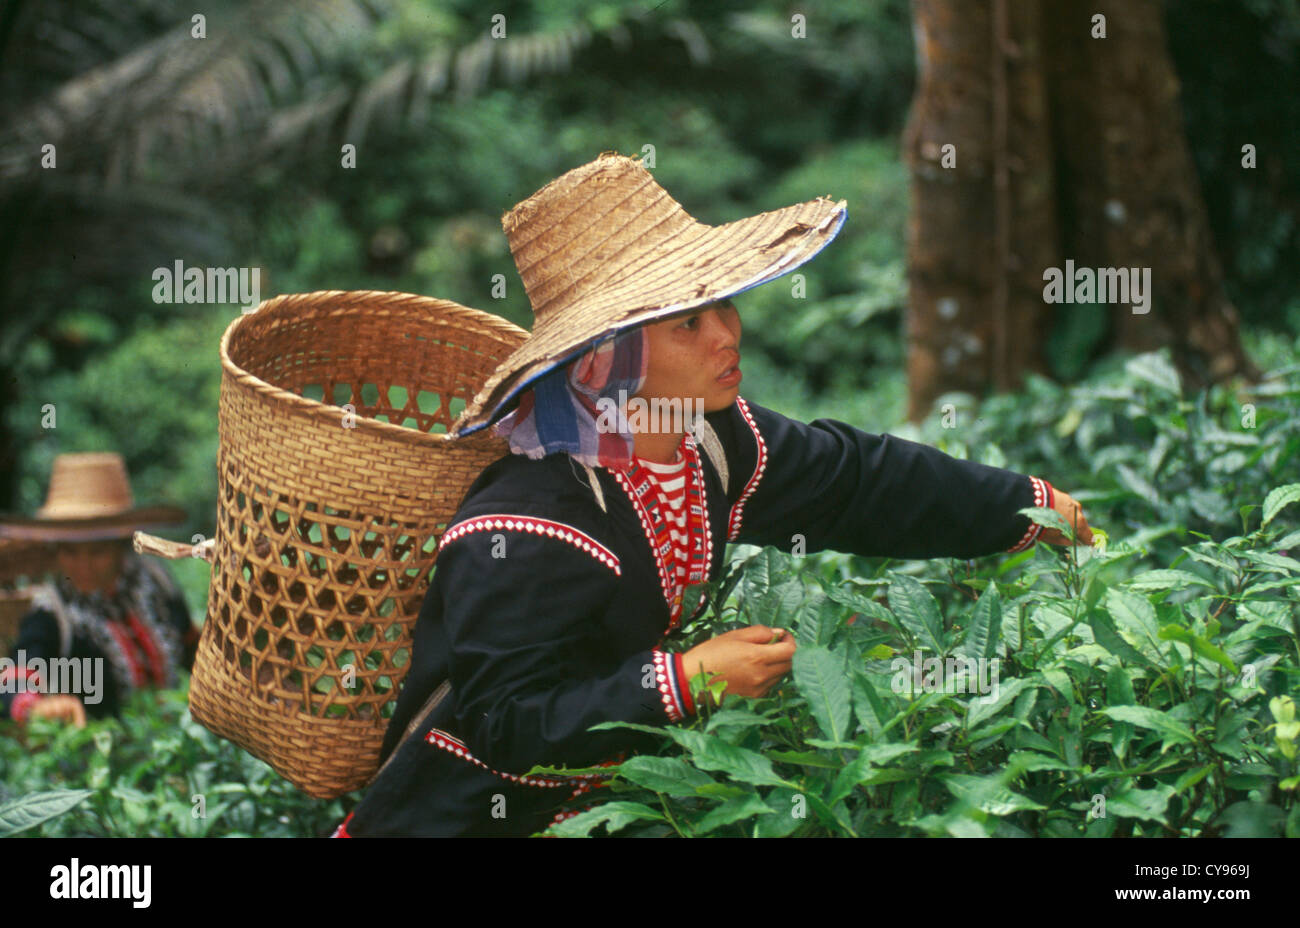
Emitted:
<point x="1130" y="186"/>
<point x="1067" y="147"/>
<point x="980" y="231"/>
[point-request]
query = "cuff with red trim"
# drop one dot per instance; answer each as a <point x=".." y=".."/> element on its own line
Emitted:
<point x="670" y="680"/>
<point x="688" y="703"/>
<point x="1043" y="497"/>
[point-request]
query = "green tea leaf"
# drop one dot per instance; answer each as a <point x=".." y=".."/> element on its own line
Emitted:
<point x="1154" y="369"/>
<point x="1137" y="615"/>
<point x="670" y="775"/>
<point x="987" y="706"/>
<point x="709" y="752"/>
<point x="860" y="604"/>
<point x="1152" y="580"/>
<point x="1191" y="777"/>
<point x="730" y="812"/>
<point x="1106" y="635"/>
<point x="1198" y="645"/>
<point x="1155" y="720"/>
<point x="917" y="610"/>
<point x="821" y="679"/>
<point x="1049" y="518"/>
<point x="1252" y="820"/>
<point x="1031" y="761"/>
<point x="33" y="809"/>
<point x="868" y="706"/>
<point x="1137" y="484"/>
<point x="1278" y="499"/>
<point x="981" y="639"/>
<point x="807" y="759"/>
<point x="988" y="794"/>
<point x="1147" y="804"/>
<point x="736" y="718"/>
<point x="613" y="815"/>
<point x="1274" y="562"/>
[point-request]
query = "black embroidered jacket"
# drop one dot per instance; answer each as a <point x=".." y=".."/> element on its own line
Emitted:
<point x="549" y="615"/>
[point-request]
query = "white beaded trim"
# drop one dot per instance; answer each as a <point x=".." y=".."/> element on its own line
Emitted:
<point x="576" y="537"/>
<point x="1041" y="497"/>
<point x="668" y="685"/>
<point x="733" y="524"/>
<point x="570" y="813"/>
<point x="451" y="743"/>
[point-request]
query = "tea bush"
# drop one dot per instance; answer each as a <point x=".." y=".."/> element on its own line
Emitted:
<point x="140" y="775"/>
<point x="1144" y="687"/>
<point x="1150" y="705"/>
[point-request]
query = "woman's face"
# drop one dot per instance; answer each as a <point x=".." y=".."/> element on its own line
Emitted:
<point x="691" y="353"/>
<point x="91" y="566"/>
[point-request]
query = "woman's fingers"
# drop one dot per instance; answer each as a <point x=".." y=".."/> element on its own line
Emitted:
<point x="61" y="708"/>
<point x="1070" y="510"/>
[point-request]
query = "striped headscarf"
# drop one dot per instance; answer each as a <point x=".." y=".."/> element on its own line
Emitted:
<point x="559" y="412"/>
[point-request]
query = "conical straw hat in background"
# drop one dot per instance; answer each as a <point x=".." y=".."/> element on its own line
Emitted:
<point x="89" y="499"/>
<point x="604" y="247"/>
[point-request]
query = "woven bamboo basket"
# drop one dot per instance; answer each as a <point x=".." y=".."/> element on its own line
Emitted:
<point x="328" y="518"/>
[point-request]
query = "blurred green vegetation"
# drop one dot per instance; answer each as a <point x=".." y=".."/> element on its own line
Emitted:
<point x="741" y="119"/>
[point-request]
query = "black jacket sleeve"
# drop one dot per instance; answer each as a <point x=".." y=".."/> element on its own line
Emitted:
<point x="846" y="490"/>
<point x="529" y="667"/>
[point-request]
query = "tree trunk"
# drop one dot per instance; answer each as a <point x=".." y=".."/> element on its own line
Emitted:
<point x="983" y="220"/>
<point x="1064" y="146"/>
<point x="1131" y="186"/>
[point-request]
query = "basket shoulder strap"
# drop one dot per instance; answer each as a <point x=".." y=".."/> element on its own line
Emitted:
<point x="417" y="722"/>
<point x="595" y="487"/>
<point x="712" y="446"/>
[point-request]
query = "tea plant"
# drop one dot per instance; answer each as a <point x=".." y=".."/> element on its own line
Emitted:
<point x="1142" y="687"/>
<point x="1151" y="705"/>
<point x="152" y="772"/>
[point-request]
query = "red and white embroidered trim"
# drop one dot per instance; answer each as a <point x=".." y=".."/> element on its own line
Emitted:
<point x="733" y="523"/>
<point x="576" y="537"/>
<point x="584" y="787"/>
<point x="342" y="830"/>
<point x="670" y="686"/>
<point x="700" y="569"/>
<point x="643" y="516"/>
<point x="1042" y="498"/>
<point x="453" y="744"/>
<point x="641" y="487"/>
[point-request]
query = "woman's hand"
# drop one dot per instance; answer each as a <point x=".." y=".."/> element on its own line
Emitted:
<point x="62" y="707"/>
<point x="1073" y="514"/>
<point x="751" y="660"/>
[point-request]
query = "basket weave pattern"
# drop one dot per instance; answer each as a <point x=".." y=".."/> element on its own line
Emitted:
<point x="328" y="518"/>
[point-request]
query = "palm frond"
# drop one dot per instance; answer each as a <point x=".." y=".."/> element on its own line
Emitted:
<point x="174" y="88"/>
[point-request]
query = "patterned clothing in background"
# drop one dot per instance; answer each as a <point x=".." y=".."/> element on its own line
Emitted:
<point x="142" y="633"/>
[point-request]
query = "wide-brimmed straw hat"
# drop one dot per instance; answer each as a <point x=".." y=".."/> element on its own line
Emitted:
<point x="89" y="499"/>
<point x="604" y="247"/>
